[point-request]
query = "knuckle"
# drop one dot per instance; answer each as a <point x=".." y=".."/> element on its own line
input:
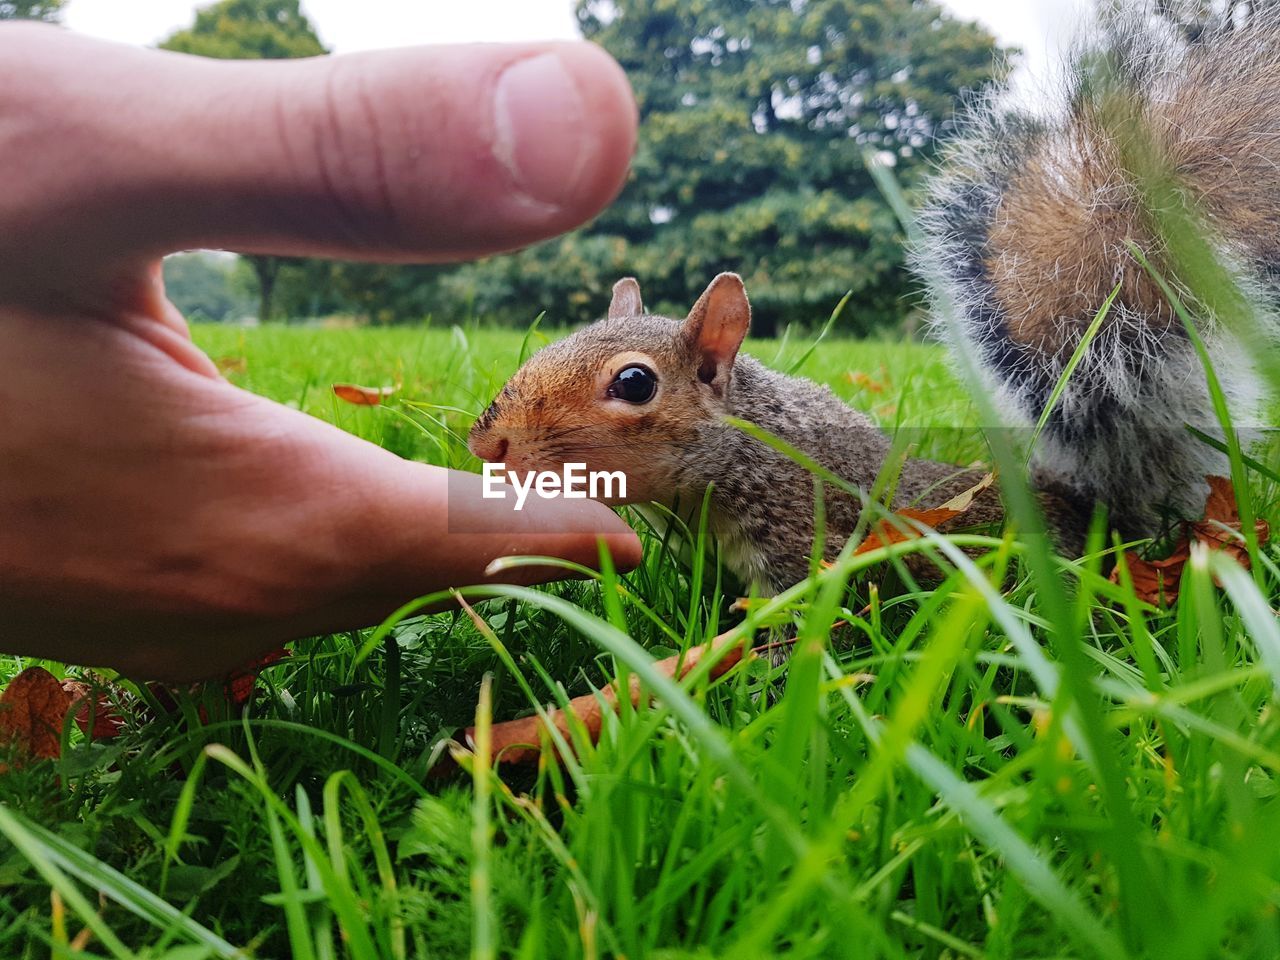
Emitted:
<point x="345" y="157"/>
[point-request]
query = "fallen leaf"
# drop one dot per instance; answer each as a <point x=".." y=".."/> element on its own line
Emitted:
<point x="227" y="365"/>
<point x="961" y="502"/>
<point x="1221" y="503"/>
<point x="32" y="709"/>
<point x="239" y="685"/>
<point x="362" y="396"/>
<point x="35" y="703"/>
<point x="887" y="532"/>
<point x="106" y="722"/>
<point x="1155" y="581"/>
<point x="1220" y="528"/>
<point x="866" y="382"/>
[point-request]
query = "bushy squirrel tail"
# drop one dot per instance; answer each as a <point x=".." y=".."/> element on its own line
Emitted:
<point x="1157" y="142"/>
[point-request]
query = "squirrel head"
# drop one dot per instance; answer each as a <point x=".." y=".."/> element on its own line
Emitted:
<point x="632" y="392"/>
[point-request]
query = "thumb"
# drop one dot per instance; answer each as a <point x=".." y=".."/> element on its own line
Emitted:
<point x="468" y="531"/>
<point x="421" y="154"/>
<point x="420" y="529"/>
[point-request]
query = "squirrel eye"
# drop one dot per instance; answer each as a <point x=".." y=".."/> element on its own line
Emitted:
<point x="634" y="384"/>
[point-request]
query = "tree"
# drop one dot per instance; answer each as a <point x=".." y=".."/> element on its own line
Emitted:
<point x="249" y="30"/>
<point x="252" y="30"/>
<point x="204" y="286"/>
<point x="754" y="118"/>
<point x="756" y="114"/>
<point x="47" y="10"/>
<point x="373" y="292"/>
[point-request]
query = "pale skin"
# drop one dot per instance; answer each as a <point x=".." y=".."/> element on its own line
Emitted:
<point x="156" y="519"/>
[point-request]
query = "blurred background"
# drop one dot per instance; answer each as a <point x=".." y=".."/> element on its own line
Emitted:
<point x="755" y="118"/>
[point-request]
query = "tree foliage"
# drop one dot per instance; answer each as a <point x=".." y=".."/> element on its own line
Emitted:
<point x="252" y="30"/>
<point x="204" y="287"/>
<point x="373" y="292"/>
<point x="755" y="115"/>
<point x="249" y="30"/>
<point x="49" y="11"/>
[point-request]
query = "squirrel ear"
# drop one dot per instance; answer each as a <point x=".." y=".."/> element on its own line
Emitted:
<point x="716" y="327"/>
<point x="626" y="299"/>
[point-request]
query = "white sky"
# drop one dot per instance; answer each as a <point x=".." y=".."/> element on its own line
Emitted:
<point x="346" y="25"/>
<point x="1039" y="27"/>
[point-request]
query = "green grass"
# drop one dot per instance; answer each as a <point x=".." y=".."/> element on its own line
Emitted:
<point x="1025" y="762"/>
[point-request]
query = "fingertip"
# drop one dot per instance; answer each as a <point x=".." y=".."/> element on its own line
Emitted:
<point x="611" y="533"/>
<point x="625" y="550"/>
<point x="431" y="527"/>
<point x="577" y="530"/>
<point x="611" y="115"/>
<point x="564" y="126"/>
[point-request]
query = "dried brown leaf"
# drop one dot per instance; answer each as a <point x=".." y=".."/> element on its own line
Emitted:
<point x="866" y="382"/>
<point x="1155" y="581"/>
<point x="362" y="396"/>
<point x="887" y="532"/>
<point x="1221" y="504"/>
<point x="106" y="722"/>
<point x="32" y="709"/>
<point x="238" y="687"/>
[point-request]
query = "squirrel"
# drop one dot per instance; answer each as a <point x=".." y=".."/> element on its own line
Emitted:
<point x="648" y="395"/>
<point x="1028" y="227"/>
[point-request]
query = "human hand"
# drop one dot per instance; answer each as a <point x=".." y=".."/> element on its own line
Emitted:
<point x="154" y="518"/>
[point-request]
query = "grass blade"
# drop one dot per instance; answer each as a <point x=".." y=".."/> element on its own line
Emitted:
<point x="51" y="854"/>
<point x="1078" y="355"/>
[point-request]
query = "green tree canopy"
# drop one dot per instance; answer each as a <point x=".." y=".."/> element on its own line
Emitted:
<point x="48" y="10"/>
<point x="204" y="286"/>
<point x="374" y="292"/>
<point x="249" y="30"/>
<point x="754" y="118"/>
<point x="252" y="30"/>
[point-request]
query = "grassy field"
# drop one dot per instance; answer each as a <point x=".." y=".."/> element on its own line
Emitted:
<point x="1025" y="762"/>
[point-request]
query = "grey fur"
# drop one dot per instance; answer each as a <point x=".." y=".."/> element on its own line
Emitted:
<point x="762" y="502"/>
<point x="762" y="509"/>
<point x="1119" y="434"/>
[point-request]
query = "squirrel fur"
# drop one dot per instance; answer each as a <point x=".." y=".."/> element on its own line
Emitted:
<point x="555" y="410"/>
<point x="1026" y="232"/>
